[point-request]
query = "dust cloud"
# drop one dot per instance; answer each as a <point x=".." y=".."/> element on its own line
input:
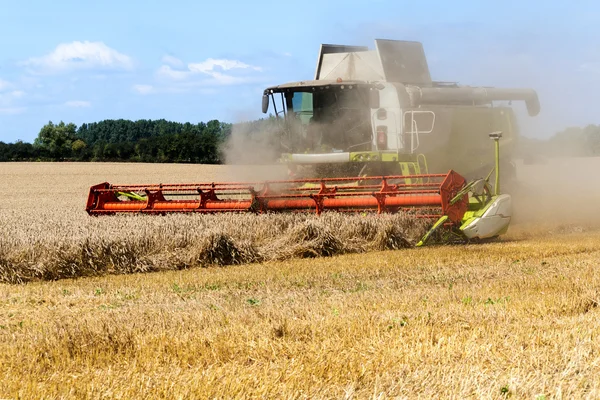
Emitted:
<point x="557" y="190"/>
<point x="252" y="150"/>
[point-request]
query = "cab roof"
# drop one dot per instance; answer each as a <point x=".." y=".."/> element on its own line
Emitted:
<point x="312" y="85"/>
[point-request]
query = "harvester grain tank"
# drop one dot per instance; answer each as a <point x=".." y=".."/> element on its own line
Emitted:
<point x="372" y="124"/>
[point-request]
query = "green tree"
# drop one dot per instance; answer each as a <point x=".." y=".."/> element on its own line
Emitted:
<point x="78" y="149"/>
<point x="56" y="140"/>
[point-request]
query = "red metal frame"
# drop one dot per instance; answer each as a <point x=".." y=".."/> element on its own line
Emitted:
<point x="431" y="193"/>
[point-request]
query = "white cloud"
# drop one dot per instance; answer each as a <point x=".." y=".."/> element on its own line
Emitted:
<point x="176" y="77"/>
<point x="12" y="110"/>
<point x="208" y="66"/>
<point x="80" y="55"/>
<point x="166" y="71"/>
<point x="78" y="104"/>
<point x="223" y="79"/>
<point x="211" y="72"/>
<point x="172" y="61"/>
<point x="143" y="89"/>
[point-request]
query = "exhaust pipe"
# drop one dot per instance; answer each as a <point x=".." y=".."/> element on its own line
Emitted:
<point x="467" y="94"/>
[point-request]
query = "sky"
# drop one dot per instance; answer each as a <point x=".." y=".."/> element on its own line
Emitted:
<point x="191" y="61"/>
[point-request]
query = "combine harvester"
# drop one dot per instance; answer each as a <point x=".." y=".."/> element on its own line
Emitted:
<point x="367" y="130"/>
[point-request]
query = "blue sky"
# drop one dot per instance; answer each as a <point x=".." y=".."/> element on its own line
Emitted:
<point x="80" y="61"/>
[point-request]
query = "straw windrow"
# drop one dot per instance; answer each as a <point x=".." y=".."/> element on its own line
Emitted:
<point x="129" y="244"/>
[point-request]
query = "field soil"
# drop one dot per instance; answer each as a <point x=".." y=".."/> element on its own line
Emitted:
<point x="516" y="318"/>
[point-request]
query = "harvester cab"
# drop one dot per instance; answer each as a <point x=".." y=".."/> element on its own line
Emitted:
<point x="379" y="112"/>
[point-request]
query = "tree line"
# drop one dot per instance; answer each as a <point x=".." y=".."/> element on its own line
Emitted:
<point x="123" y="140"/>
<point x="167" y="141"/>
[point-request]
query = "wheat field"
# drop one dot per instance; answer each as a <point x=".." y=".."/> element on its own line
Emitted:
<point x="517" y="318"/>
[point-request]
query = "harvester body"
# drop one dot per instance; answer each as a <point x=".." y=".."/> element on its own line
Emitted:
<point x="373" y="124"/>
<point x="379" y="112"/>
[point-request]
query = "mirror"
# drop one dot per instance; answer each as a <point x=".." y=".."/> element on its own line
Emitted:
<point x="265" y="103"/>
<point x="374" y="98"/>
